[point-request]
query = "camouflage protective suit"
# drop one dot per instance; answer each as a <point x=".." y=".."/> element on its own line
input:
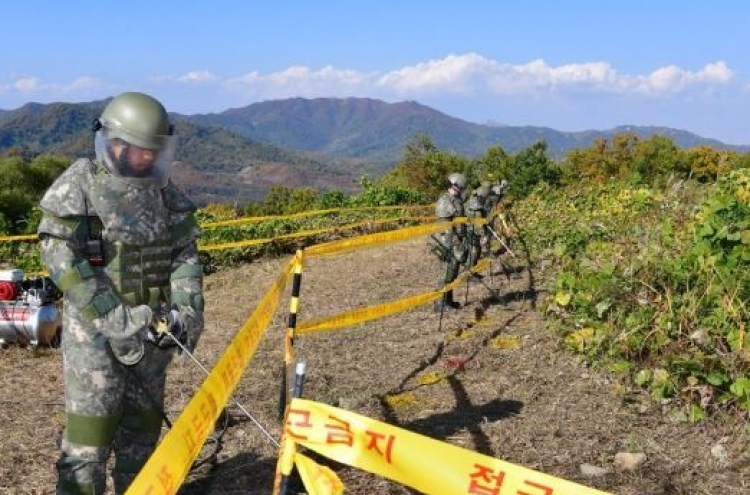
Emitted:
<point x="496" y="193"/>
<point x="114" y="378"/>
<point x="493" y="198"/>
<point x="477" y="235"/>
<point x="447" y="208"/>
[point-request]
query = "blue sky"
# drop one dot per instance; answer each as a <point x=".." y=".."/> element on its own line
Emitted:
<point x="570" y="65"/>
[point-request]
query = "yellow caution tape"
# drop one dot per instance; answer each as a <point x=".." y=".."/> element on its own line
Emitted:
<point x="304" y="233"/>
<point x="377" y="239"/>
<point x="286" y="457"/>
<point x="239" y="221"/>
<point x="13" y="238"/>
<point x="284" y="462"/>
<point x="425" y="464"/>
<point x="245" y="220"/>
<point x="360" y="315"/>
<point x="169" y="464"/>
<point x="318" y="480"/>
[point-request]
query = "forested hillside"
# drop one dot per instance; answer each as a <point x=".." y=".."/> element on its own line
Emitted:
<point x="214" y="162"/>
<point x="325" y="143"/>
<point x="372" y="134"/>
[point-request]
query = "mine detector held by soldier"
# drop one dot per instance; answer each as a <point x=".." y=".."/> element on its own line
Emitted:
<point x="497" y="192"/>
<point x="119" y="239"/>
<point x="450" y="205"/>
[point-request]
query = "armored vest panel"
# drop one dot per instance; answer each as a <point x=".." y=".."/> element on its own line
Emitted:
<point x="476" y="205"/>
<point x="449" y="206"/>
<point x="138" y="224"/>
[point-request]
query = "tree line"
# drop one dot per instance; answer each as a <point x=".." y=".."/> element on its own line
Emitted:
<point x="420" y="175"/>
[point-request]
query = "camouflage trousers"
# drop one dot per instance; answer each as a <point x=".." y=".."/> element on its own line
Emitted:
<point x="108" y="408"/>
<point x="475" y="241"/>
<point x="452" y="267"/>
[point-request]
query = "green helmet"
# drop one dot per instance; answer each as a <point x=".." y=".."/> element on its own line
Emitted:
<point x="457" y="179"/>
<point x="134" y="139"/>
<point x="138" y="119"/>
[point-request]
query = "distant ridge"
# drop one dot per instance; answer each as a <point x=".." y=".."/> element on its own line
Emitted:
<point x="215" y="164"/>
<point x="375" y="132"/>
<point x="239" y="154"/>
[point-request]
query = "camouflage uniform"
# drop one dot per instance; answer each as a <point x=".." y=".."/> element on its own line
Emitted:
<point x="496" y="193"/>
<point x="477" y="235"/>
<point x="447" y="208"/>
<point x="114" y="377"/>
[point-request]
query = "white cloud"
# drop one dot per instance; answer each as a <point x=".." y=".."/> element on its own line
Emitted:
<point x="673" y="79"/>
<point x="471" y="71"/>
<point x="300" y="81"/>
<point x="27" y="84"/>
<point x="197" y="77"/>
<point x="468" y="75"/>
<point x="453" y="74"/>
<point x="81" y="84"/>
<point x="193" y="77"/>
<point x="474" y="74"/>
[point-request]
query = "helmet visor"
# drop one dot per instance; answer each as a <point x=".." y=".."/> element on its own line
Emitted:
<point x="140" y="161"/>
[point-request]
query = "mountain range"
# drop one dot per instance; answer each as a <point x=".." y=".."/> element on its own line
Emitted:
<point x="238" y="154"/>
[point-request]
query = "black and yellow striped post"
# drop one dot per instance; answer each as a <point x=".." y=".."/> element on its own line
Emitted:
<point x="289" y="333"/>
<point x="287" y="449"/>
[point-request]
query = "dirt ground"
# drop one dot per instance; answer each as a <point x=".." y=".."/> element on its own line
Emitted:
<point x="488" y="378"/>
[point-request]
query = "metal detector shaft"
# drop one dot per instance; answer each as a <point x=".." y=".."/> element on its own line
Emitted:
<point x="501" y="241"/>
<point x="236" y="403"/>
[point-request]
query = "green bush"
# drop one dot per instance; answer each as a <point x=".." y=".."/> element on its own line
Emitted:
<point x="652" y="281"/>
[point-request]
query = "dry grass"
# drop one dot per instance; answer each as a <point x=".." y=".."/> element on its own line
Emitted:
<point x="490" y="379"/>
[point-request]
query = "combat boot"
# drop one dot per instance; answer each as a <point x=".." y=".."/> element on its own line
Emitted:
<point x="446" y="303"/>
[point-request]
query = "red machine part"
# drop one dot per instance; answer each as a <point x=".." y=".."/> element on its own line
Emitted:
<point x="8" y="291"/>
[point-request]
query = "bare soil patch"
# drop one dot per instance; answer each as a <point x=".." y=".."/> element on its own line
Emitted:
<point x="489" y="378"/>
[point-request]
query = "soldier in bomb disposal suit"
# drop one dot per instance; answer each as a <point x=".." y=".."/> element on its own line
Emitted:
<point x="476" y="207"/>
<point x="450" y="205"/>
<point x="120" y="240"/>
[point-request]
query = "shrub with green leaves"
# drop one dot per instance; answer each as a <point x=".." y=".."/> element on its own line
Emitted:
<point x="653" y="282"/>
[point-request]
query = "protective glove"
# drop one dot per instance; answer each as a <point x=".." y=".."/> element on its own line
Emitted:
<point x="125" y="329"/>
<point x="169" y="322"/>
<point x="192" y="322"/>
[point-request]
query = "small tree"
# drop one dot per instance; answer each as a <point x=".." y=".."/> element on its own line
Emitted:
<point x="282" y="200"/>
<point x="531" y="167"/>
<point x="331" y="199"/>
<point x="44" y="170"/>
<point x="707" y="164"/>
<point x="425" y="168"/>
<point x="496" y="163"/>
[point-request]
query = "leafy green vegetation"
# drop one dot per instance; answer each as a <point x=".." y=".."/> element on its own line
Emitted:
<point x="644" y="247"/>
<point x="652" y="282"/>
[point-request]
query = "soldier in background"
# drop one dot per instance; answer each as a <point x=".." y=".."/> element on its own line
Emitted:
<point x="476" y="207"/>
<point x="450" y="205"/>
<point x="119" y="239"/>
<point x="496" y="193"/>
